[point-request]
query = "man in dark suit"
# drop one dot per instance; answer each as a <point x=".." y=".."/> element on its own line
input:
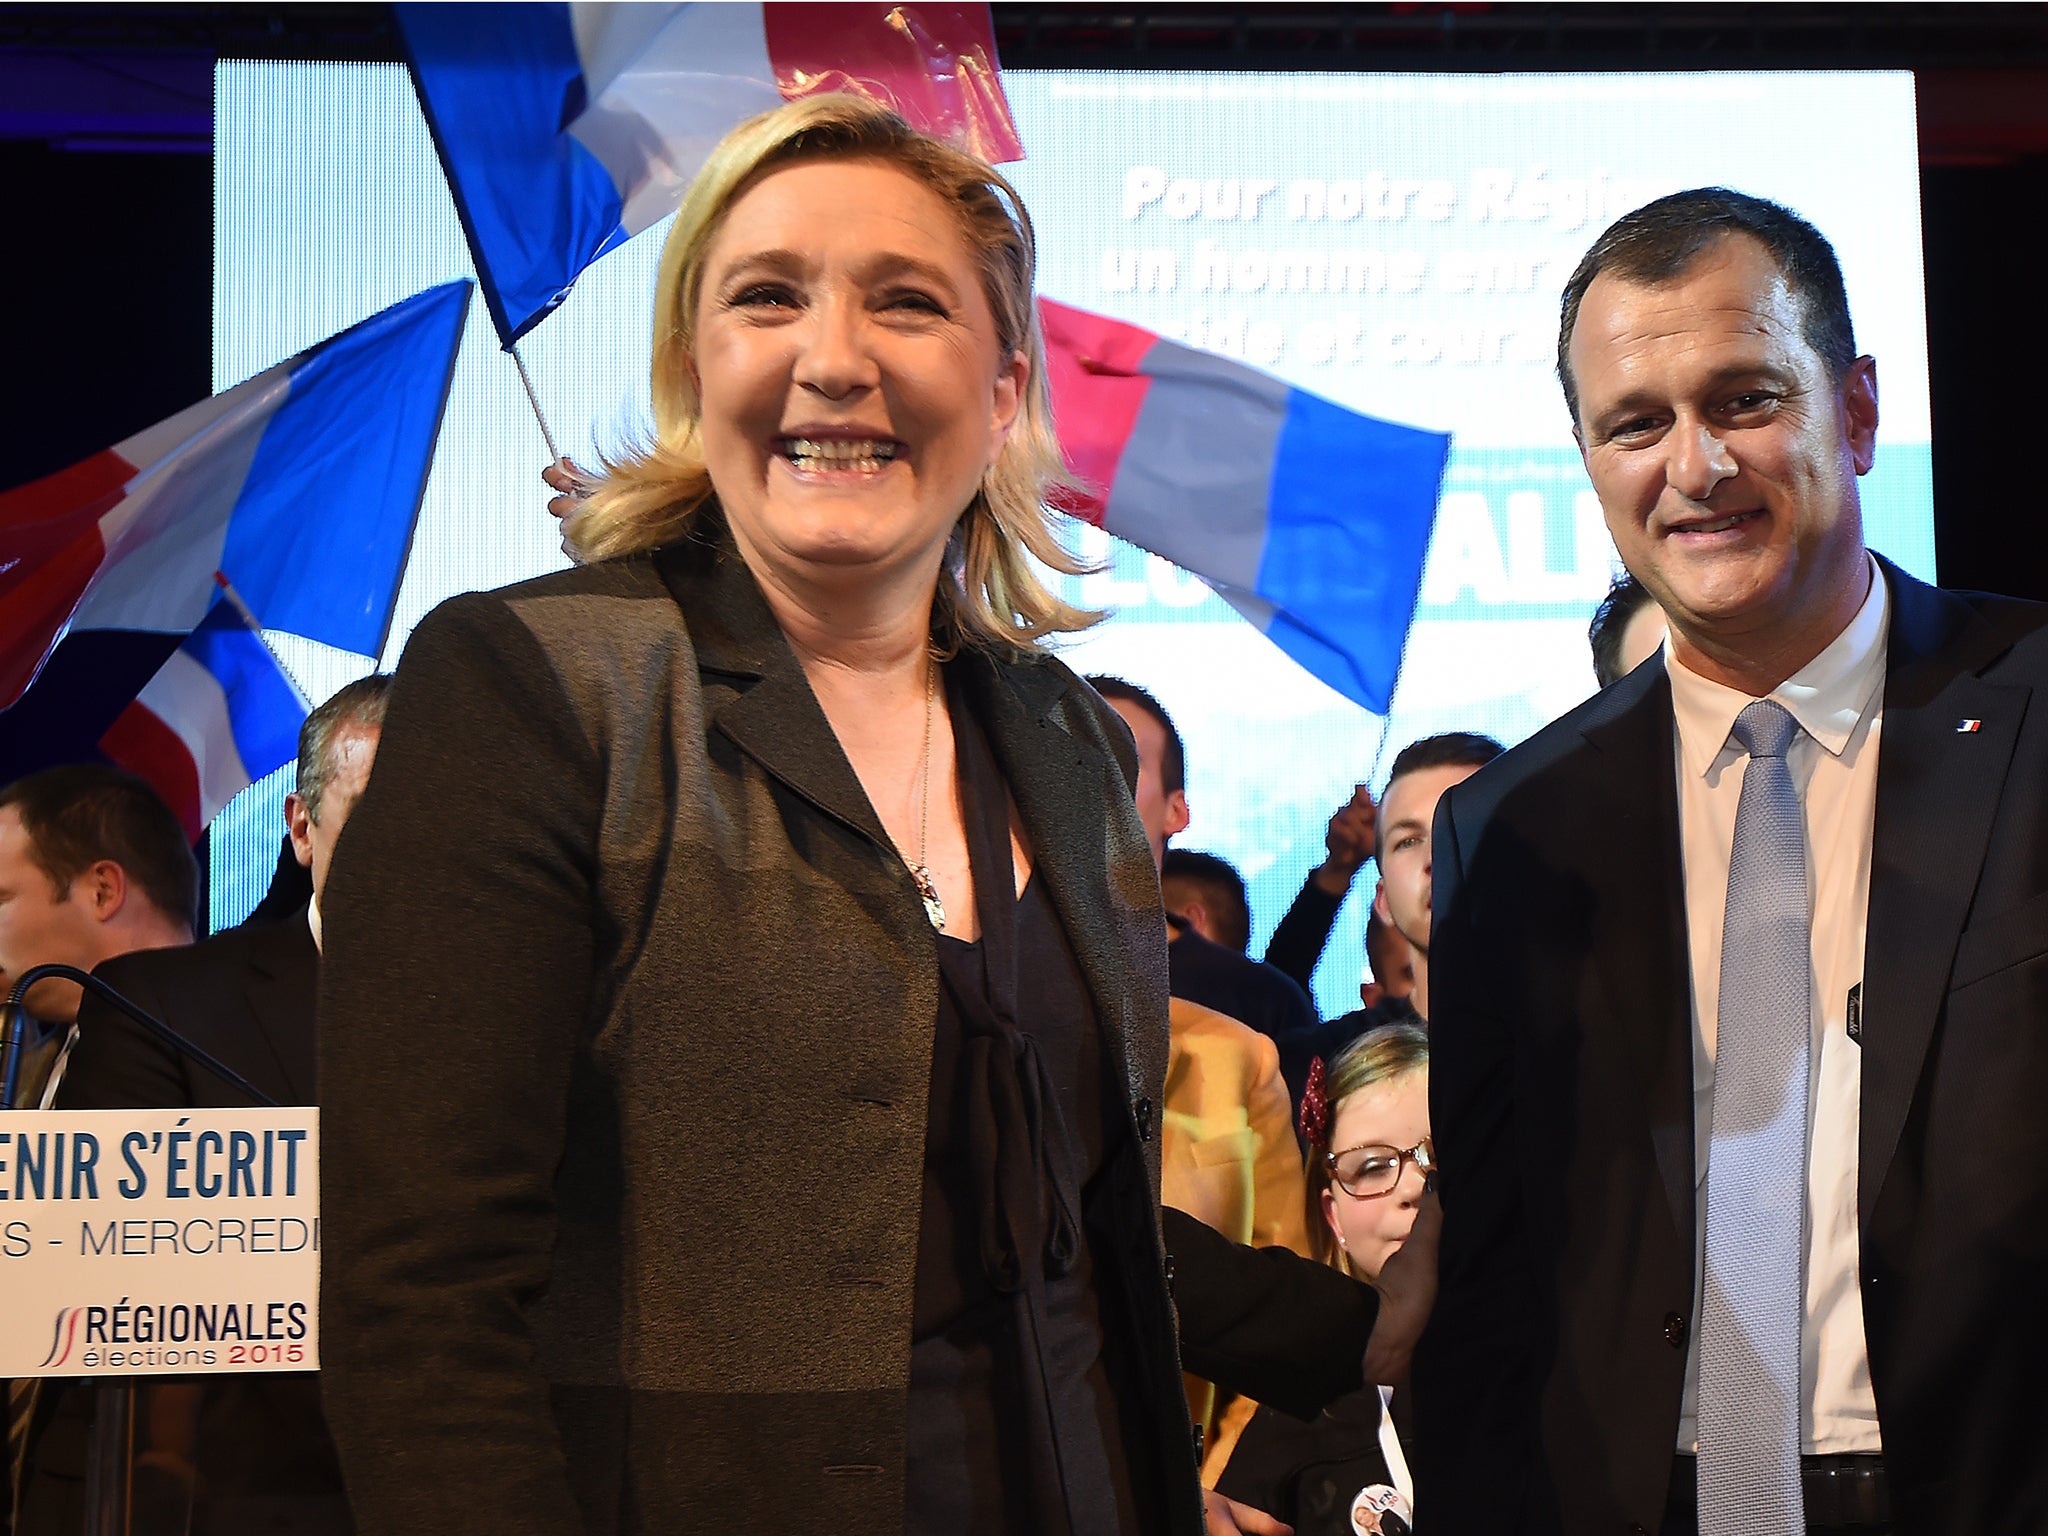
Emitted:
<point x="1603" y="890"/>
<point x="248" y="1453"/>
<point x="1198" y="970"/>
<point x="93" y="864"/>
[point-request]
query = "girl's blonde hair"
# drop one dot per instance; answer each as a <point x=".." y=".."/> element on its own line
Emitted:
<point x="650" y="494"/>
<point x="1380" y="1055"/>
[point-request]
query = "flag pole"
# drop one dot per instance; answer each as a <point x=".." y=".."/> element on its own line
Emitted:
<point x="227" y="590"/>
<point x="532" y="399"/>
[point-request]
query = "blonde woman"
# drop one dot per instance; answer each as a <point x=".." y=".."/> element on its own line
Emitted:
<point x="1366" y="1121"/>
<point x="744" y="1009"/>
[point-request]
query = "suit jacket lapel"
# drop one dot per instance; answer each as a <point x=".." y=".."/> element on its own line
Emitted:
<point x="1063" y="786"/>
<point x="280" y="984"/>
<point x="1059" y="781"/>
<point x="1937" y="794"/>
<point x="1640" y="922"/>
<point x="774" y="717"/>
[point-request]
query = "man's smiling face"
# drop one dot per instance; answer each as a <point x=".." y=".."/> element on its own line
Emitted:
<point x="1724" y="456"/>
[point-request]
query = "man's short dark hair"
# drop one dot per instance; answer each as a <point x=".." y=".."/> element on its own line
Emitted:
<point x="1174" y="771"/>
<point x="1450" y="749"/>
<point x="1659" y="242"/>
<point x="1624" y="600"/>
<point x="1221" y="889"/>
<point x="82" y="813"/>
<point x="359" y="703"/>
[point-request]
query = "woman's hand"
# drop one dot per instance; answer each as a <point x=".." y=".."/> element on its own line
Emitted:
<point x="1227" y="1517"/>
<point x="573" y="485"/>
<point x="1407" y="1287"/>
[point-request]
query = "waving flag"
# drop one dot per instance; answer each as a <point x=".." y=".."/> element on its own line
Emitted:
<point x="1309" y="519"/>
<point x="566" y="129"/>
<point x="302" y="485"/>
<point x="218" y="716"/>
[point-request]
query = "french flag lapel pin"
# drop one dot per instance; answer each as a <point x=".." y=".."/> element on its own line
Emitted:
<point x="1968" y="727"/>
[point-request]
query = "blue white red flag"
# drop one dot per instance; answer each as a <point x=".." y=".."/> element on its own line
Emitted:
<point x="218" y="715"/>
<point x="567" y="129"/>
<point x="1310" y="520"/>
<point x="301" y="485"/>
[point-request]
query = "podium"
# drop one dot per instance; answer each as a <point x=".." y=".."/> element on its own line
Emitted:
<point x="150" y="1259"/>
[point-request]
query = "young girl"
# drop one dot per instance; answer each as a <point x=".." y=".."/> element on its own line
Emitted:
<point x="1366" y="1120"/>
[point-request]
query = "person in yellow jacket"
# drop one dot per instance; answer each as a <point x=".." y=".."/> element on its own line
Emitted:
<point x="1229" y="1158"/>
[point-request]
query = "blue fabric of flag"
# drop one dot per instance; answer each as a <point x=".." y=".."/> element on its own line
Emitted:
<point x="264" y="709"/>
<point x="325" y="519"/>
<point x="1348" y="519"/>
<point x="499" y="85"/>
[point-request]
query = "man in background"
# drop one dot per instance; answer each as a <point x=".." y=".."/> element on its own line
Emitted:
<point x="92" y="865"/>
<point x="1208" y="892"/>
<point x="1422" y="771"/>
<point x="1627" y="630"/>
<point x="1198" y="970"/>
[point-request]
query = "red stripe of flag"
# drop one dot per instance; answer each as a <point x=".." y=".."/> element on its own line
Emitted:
<point x="141" y="742"/>
<point x="1091" y="366"/>
<point x="50" y="549"/>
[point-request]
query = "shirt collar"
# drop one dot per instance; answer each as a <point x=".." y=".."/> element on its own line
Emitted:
<point x="1828" y="696"/>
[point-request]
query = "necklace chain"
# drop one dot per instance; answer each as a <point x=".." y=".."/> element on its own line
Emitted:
<point x="920" y="871"/>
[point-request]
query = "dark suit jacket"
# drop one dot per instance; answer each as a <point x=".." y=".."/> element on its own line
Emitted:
<point x="245" y="996"/>
<point x="633" y="1247"/>
<point x="1548" y="1387"/>
<point x="261" y="1451"/>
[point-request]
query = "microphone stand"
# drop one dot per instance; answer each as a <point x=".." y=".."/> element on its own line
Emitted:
<point x="110" y="1439"/>
<point x="16" y="1019"/>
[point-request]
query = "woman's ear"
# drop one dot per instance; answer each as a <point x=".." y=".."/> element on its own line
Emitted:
<point x="1007" y="402"/>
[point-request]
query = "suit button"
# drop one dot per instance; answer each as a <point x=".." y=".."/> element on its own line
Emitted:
<point x="1169" y="1274"/>
<point x="1674" y="1330"/>
<point x="1639" y="1530"/>
<point x="1142" y="1113"/>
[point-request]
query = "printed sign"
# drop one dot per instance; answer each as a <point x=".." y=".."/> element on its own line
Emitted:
<point x="159" y="1241"/>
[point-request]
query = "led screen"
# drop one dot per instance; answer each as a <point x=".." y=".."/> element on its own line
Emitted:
<point x="1395" y="243"/>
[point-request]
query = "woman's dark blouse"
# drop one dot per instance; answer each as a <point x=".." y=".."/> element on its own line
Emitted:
<point x="1015" y="1424"/>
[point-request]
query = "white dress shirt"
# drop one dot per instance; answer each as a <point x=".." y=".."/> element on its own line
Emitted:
<point x="1837" y="698"/>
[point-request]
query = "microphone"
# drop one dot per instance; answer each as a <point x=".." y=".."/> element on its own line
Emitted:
<point x="14" y="1016"/>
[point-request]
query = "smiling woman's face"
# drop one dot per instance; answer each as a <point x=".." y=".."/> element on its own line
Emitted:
<point x="850" y="383"/>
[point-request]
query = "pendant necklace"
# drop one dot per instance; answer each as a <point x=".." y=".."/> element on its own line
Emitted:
<point x="920" y="872"/>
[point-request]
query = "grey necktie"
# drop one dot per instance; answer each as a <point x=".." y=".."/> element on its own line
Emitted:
<point x="1752" y="1299"/>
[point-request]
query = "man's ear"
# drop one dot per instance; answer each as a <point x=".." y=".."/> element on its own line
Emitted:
<point x="1379" y="903"/>
<point x="1859" y="412"/>
<point x="105" y="887"/>
<point x="1176" y="813"/>
<point x="300" y="824"/>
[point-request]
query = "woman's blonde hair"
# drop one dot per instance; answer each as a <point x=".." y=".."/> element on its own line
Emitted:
<point x="1380" y="1055"/>
<point x="650" y="493"/>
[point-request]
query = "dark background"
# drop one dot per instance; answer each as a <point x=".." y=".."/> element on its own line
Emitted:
<point x="106" y="166"/>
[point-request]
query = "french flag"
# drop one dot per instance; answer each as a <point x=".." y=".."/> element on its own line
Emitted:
<point x="1310" y="520"/>
<point x="300" y="486"/>
<point x="218" y="716"/>
<point x="567" y="129"/>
